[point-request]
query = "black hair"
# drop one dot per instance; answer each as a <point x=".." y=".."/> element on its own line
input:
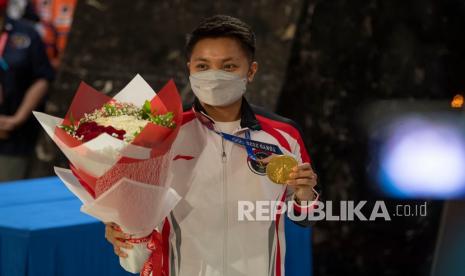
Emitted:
<point x="223" y="26"/>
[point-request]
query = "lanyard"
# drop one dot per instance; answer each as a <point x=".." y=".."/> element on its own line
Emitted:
<point x="3" y="41"/>
<point x="250" y="144"/>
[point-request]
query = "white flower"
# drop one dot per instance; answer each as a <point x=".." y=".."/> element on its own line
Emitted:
<point x="128" y="123"/>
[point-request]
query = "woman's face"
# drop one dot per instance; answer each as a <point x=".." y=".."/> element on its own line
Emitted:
<point x="221" y="53"/>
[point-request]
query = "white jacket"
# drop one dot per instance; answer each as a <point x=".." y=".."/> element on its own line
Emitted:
<point x="202" y="235"/>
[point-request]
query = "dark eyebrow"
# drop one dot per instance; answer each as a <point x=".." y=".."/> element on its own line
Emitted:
<point x="206" y="60"/>
<point x="201" y="59"/>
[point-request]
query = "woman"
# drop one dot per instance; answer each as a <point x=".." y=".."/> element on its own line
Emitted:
<point x="203" y="235"/>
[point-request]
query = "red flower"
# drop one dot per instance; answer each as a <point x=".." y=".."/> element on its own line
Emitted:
<point x="90" y="130"/>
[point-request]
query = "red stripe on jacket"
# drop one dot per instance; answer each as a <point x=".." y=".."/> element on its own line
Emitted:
<point x="276" y="134"/>
<point x="278" y="253"/>
<point x="166" y="246"/>
<point x="289" y="129"/>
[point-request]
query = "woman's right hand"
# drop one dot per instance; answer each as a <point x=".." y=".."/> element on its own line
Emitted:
<point x="117" y="238"/>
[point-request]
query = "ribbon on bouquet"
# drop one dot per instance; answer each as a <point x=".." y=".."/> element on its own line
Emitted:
<point x="157" y="264"/>
<point x="156" y="261"/>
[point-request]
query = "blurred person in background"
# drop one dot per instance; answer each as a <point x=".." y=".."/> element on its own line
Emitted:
<point x="52" y="20"/>
<point x="55" y="19"/>
<point x="25" y="75"/>
<point x="17" y="8"/>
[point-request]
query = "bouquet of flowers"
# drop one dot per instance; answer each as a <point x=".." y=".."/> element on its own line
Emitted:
<point x="118" y="149"/>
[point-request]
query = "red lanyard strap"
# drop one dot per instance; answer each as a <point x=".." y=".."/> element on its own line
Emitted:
<point x="3" y="41"/>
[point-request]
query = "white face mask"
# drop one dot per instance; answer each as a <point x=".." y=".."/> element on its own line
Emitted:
<point x="217" y="87"/>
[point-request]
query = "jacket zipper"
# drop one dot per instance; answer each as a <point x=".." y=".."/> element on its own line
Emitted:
<point x="225" y="202"/>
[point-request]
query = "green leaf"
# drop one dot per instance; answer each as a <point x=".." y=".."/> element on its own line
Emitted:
<point x="71" y="127"/>
<point x="110" y="110"/>
<point x="165" y="120"/>
<point x="147" y="107"/>
<point x="71" y="118"/>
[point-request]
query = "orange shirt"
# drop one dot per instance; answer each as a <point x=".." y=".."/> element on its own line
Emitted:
<point x="56" y="18"/>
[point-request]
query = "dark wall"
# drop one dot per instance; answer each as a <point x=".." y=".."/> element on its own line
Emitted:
<point x="348" y="54"/>
<point x="112" y="41"/>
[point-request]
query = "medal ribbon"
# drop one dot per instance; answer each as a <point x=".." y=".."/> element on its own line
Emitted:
<point x="250" y="144"/>
<point x="246" y="142"/>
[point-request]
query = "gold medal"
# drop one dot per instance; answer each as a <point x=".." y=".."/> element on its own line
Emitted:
<point x="279" y="168"/>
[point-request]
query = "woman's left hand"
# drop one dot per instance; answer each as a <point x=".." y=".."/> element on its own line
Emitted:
<point x="302" y="180"/>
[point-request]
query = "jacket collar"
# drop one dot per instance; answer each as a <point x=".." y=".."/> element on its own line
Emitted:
<point x="248" y="119"/>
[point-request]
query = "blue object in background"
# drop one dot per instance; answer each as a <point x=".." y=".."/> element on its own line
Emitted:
<point x="298" y="249"/>
<point x="43" y="233"/>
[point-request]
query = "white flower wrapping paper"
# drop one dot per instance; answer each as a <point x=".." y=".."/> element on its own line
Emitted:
<point x="134" y="194"/>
